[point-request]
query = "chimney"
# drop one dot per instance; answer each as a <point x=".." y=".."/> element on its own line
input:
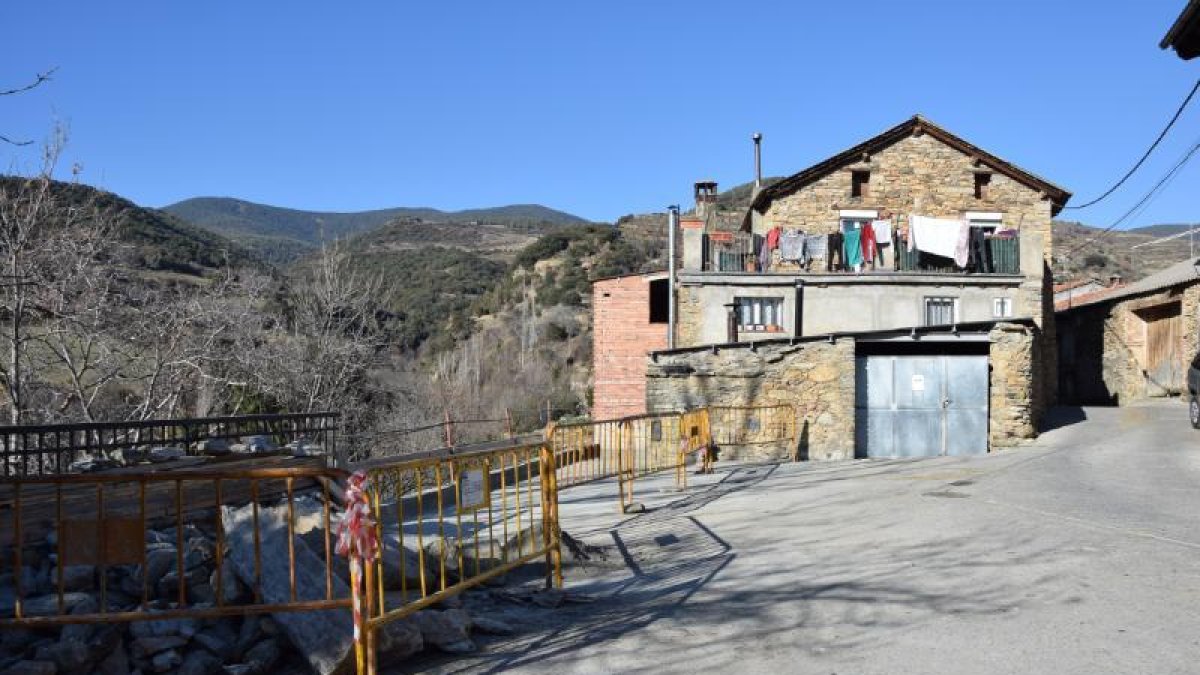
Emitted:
<point x="706" y="199"/>
<point x="757" y="163"/>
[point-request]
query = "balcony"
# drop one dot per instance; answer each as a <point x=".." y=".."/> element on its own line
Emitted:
<point x="739" y="252"/>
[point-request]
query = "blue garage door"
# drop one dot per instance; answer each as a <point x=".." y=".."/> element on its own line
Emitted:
<point x="921" y="406"/>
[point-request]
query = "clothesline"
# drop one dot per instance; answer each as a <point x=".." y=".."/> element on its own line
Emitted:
<point x="862" y="242"/>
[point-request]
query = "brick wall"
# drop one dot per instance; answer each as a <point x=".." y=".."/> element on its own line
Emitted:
<point x="622" y="337"/>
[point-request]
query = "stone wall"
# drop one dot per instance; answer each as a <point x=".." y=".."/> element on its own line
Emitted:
<point x="622" y="336"/>
<point x="689" y="316"/>
<point x="921" y="175"/>
<point x="816" y="377"/>
<point x="1125" y="358"/>
<point x="1013" y="399"/>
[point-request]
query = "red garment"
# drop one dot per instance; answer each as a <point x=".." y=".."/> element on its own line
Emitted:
<point x="773" y="238"/>
<point x="868" y="242"/>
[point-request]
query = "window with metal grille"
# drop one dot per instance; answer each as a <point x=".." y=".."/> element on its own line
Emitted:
<point x="759" y="313"/>
<point x="940" y="311"/>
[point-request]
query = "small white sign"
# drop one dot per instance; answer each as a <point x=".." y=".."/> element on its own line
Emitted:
<point x="473" y="489"/>
<point x="918" y="383"/>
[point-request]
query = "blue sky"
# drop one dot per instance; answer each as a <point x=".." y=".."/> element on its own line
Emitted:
<point x="599" y="109"/>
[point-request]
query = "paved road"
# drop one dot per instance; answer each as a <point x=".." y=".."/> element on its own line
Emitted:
<point x="1079" y="554"/>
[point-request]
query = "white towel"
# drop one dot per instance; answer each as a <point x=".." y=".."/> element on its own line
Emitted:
<point x="883" y="232"/>
<point x="939" y="236"/>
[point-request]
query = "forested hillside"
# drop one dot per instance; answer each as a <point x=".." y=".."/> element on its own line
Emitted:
<point x="152" y="240"/>
<point x="282" y="234"/>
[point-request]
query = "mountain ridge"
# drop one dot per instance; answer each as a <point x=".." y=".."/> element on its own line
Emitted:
<point x="231" y="215"/>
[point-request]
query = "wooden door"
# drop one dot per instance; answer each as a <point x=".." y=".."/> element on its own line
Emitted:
<point x="1164" y="361"/>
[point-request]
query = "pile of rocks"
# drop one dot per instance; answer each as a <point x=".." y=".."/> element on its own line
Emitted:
<point x="313" y="641"/>
<point x="209" y="447"/>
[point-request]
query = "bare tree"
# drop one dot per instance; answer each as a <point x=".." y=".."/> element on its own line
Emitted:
<point x="37" y="82"/>
<point x="47" y="251"/>
<point x="320" y="356"/>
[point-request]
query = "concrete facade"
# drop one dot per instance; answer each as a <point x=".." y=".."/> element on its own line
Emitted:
<point x="622" y="337"/>
<point x="835" y="303"/>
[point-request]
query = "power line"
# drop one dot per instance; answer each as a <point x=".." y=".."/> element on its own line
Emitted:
<point x="1145" y="200"/>
<point x="1148" y="151"/>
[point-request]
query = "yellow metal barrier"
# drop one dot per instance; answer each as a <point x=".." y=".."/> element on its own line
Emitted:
<point x="587" y="451"/>
<point x="629" y="447"/>
<point x="471" y="516"/>
<point x="102" y="521"/>
<point x="695" y="437"/>
<point x="753" y="425"/>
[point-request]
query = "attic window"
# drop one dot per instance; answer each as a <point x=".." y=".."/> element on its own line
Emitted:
<point x="860" y="183"/>
<point x="982" y="181"/>
<point x="660" y="297"/>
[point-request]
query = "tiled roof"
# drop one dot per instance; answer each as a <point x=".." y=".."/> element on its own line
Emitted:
<point x="1180" y="273"/>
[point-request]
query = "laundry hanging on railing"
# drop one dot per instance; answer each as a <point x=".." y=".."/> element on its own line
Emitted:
<point x="817" y="246"/>
<point x="940" y="236"/>
<point x="882" y="229"/>
<point x="852" y="241"/>
<point x="792" y="247"/>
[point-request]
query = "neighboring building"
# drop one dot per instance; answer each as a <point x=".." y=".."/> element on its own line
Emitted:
<point x="1184" y="35"/>
<point x="1133" y="342"/>
<point x="1083" y="291"/>
<point x="915" y="355"/>
<point x="629" y="321"/>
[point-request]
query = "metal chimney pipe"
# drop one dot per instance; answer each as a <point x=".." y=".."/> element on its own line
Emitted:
<point x="672" y="225"/>
<point x="757" y="160"/>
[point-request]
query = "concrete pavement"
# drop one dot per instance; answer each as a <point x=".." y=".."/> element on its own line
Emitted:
<point x="1077" y="554"/>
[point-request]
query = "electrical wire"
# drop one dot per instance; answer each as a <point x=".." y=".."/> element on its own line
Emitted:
<point x="1146" y="155"/>
<point x="1144" y="201"/>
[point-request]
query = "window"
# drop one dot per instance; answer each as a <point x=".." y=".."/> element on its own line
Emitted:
<point x="765" y="314"/>
<point x="660" y="298"/>
<point x="941" y="311"/>
<point x="986" y="220"/>
<point x="1001" y="308"/>
<point x="982" y="182"/>
<point x="860" y="183"/>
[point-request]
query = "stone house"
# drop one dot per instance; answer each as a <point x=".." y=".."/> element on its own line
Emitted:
<point x="913" y="354"/>
<point x="1134" y="342"/>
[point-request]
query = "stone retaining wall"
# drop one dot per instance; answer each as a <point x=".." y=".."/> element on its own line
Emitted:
<point x="816" y="377"/>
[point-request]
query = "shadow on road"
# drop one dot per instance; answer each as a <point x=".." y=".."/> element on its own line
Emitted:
<point x="689" y="599"/>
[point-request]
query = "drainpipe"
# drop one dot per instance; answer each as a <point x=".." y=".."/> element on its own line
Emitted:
<point x="672" y="225"/>
<point x="731" y="322"/>
<point x="798" y="329"/>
